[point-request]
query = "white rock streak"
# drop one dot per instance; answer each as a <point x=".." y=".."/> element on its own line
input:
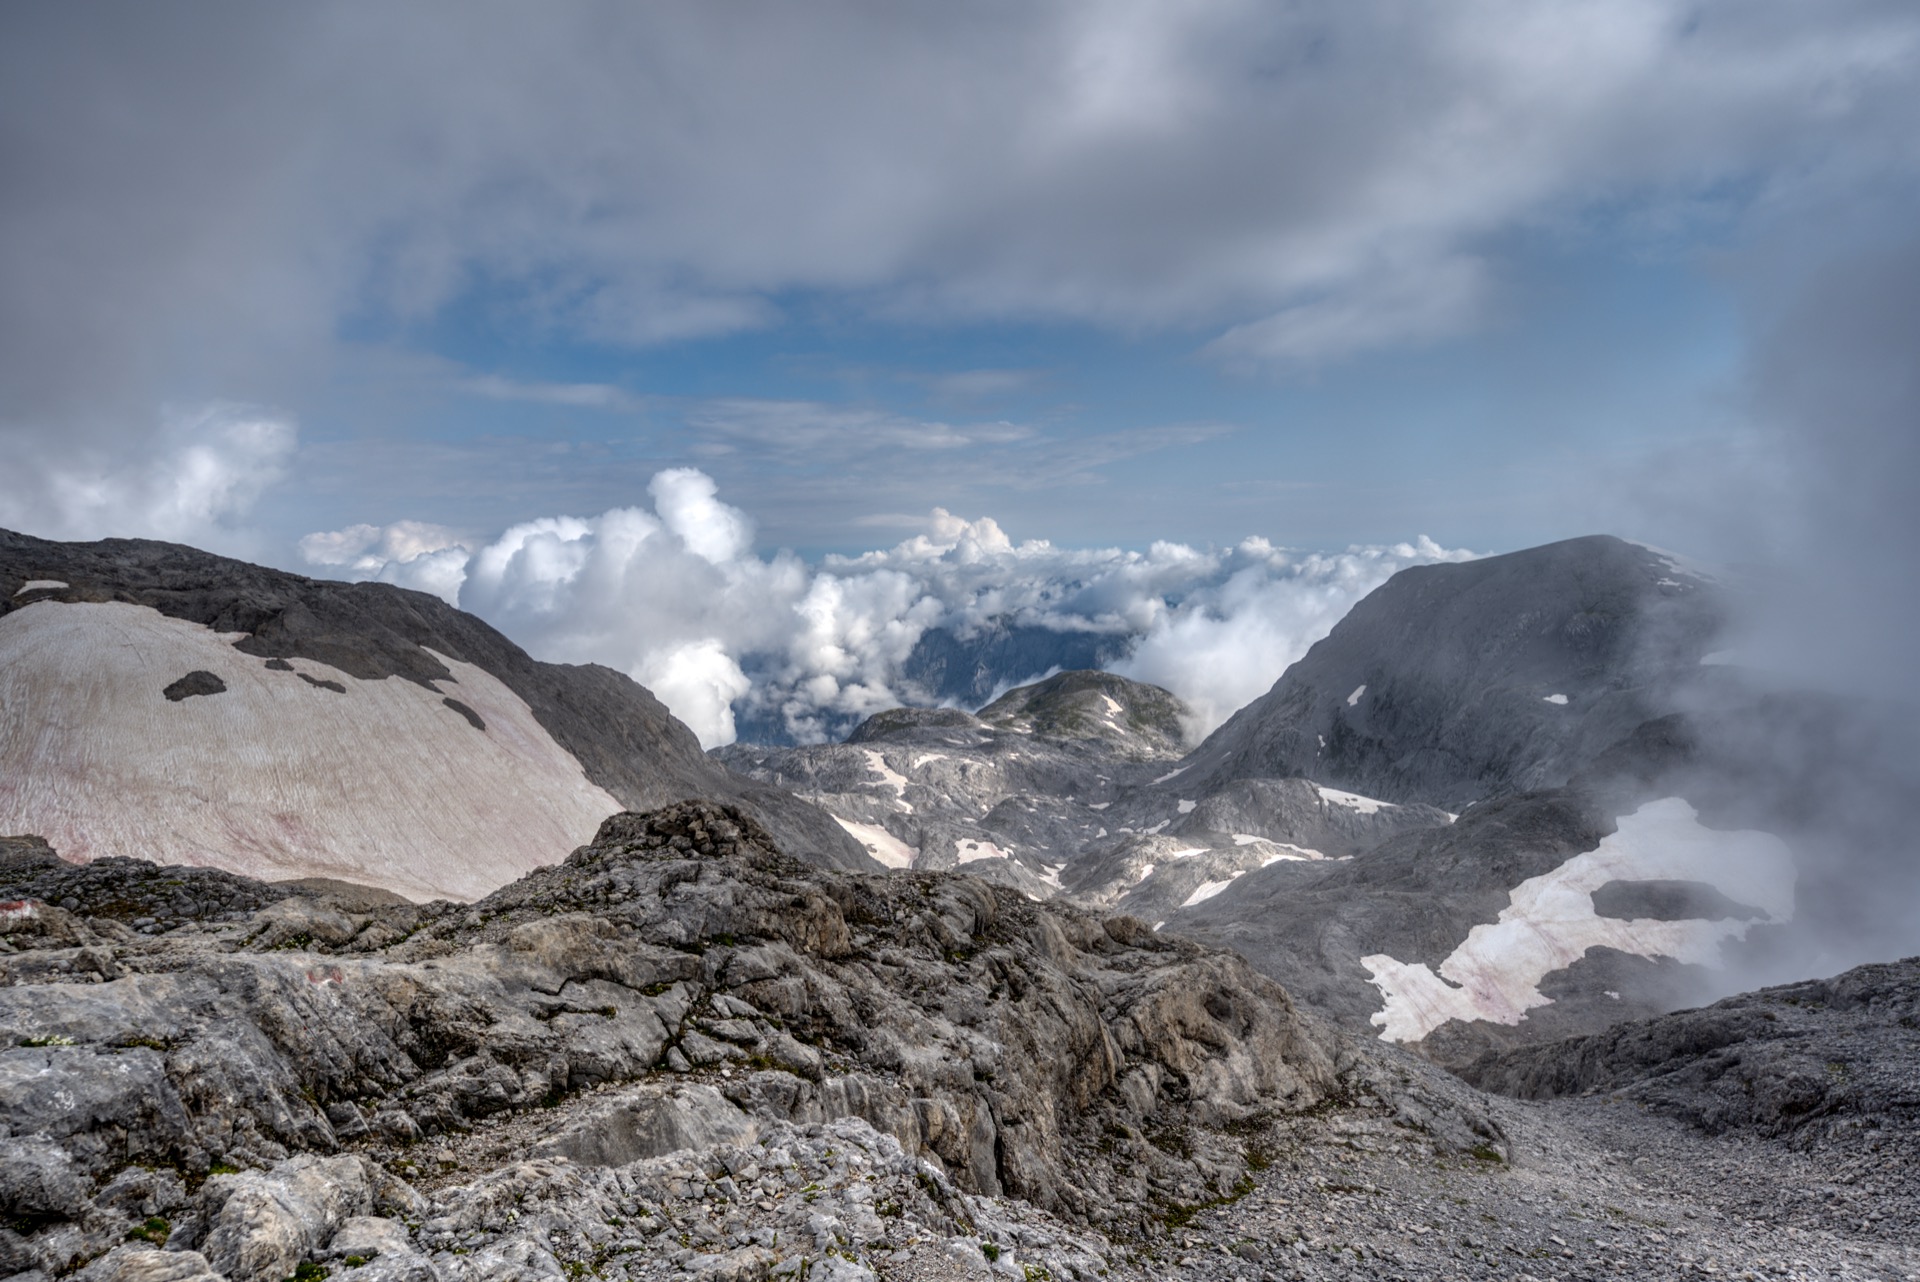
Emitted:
<point x="1550" y="922"/>
<point x="275" y="778"/>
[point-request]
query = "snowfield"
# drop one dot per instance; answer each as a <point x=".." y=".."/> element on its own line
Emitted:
<point x="1550" y="922"/>
<point x="276" y="777"/>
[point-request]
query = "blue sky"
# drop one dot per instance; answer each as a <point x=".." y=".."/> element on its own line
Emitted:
<point x="388" y="280"/>
<point x="1589" y="360"/>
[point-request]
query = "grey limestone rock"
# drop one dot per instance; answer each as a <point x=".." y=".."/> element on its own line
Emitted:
<point x="1803" y="1057"/>
<point x="679" y="985"/>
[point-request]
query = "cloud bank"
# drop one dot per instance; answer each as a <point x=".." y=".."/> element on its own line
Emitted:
<point x="675" y="596"/>
<point x="193" y="479"/>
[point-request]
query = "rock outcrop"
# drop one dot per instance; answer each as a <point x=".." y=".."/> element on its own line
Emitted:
<point x="1798" y="1060"/>
<point x="677" y="984"/>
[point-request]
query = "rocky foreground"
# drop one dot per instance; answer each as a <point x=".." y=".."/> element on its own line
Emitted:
<point x="681" y="1054"/>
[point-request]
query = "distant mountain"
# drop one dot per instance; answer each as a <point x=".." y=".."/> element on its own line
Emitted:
<point x="1450" y="684"/>
<point x="1639" y="830"/>
<point x="169" y="704"/>
<point x="1501" y="802"/>
<point x="1065" y="786"/>
<point x="965" y="667"/>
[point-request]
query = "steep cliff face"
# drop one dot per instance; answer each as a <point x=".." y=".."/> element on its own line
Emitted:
<point x="163" y="702"/>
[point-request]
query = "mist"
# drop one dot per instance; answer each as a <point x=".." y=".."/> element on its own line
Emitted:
<point x="1811" y="729"/>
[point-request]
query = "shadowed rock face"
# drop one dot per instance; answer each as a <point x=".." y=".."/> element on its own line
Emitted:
<point x="1668" y="901"/>
<point x="1014" y="1042"/>
<point x="1450" y="684"/>
<point x="624" y="739"/>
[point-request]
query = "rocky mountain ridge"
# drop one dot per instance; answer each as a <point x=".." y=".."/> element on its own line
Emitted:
<point x="317" y="721"/>
<point x="682" y="1055"/>
<point x="1637" y="822"/>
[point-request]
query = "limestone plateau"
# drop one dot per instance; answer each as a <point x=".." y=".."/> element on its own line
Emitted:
<point x="1419" y="967"/>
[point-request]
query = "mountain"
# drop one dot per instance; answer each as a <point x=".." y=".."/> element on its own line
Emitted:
<point x="162" y="702"/>
<point x="962" y="666"/>
<point x="683" y="1055"/>
<point x="1502" y="802"/>
<point x="1450" y="684"/>
<point x="677" y="983"/>
<point x="1011" y="793"/>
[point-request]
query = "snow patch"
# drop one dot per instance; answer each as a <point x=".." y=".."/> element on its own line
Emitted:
<point x="1355" y="696"/>
<point x="1288" y="851"/>
<point x="880" y="843"/>
<point x="1550" y="923"/>
<point x="1186" y="807"/>
<point x="1559" y="699"/>
<point x="890" y="778"/>
<point x="1189" y="852"/>
<point x="1177" y="770"/>
<point x="40" y="585"/>
<point x="1245" y="839"/>
<point x="382" y="785"/>
<point x="1207" y="890"/>
<point x="967" y="850"/>
<point x="925" y="757"/>
<point x="1098" y="805"/>
<point x="1352" y="800"/>
<point x="1156" y="829"/>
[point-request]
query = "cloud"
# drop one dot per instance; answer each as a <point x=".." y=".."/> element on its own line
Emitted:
<point x="1430" y="301"/>
<point x="677" y="598"/>
<point x="811" y="428"/>
<point x="598" y="396"/>
<point x="194" y="204"/>
<point x="194" y="480"/>
<point x="1227" y="641"/>
<point x="412" y="554"/>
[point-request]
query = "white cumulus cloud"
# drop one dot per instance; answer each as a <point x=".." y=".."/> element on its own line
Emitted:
<point x="677" y="598"/>
<point x="412" y="554"/>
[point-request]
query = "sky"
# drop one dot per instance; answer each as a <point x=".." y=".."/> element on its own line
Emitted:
<point x="665" y="335"/>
